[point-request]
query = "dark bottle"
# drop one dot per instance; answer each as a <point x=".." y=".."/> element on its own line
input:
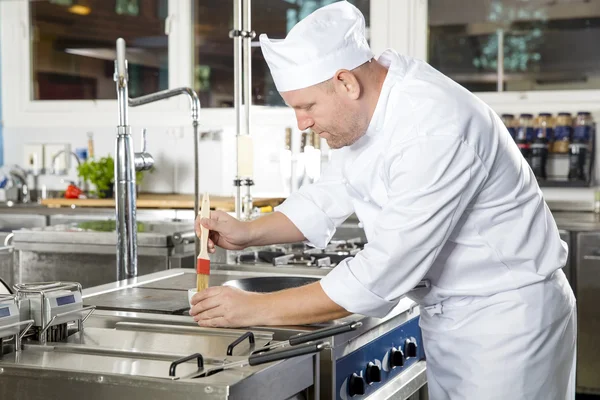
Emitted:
<point x="579" y="148"/>
<point x="539" y="147"/>
<point x="563" y="131"/>
<point x="510" y="122"/>
<point x="525" y="135"/>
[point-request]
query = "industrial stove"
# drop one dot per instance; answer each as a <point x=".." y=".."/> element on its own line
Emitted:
<point x="46" y="353"/>
<point x="293" y="255"/>
<point x="135" y="339"/>
<point x="382" y="359"/>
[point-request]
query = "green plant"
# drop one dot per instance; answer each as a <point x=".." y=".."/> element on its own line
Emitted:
<point x="101" y="173"/>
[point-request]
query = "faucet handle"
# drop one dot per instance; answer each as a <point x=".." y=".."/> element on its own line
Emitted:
<point x="144" y="140"/>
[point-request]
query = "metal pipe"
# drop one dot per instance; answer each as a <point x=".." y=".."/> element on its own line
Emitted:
<point x="246" y="65"/>
<point x="195" y="113"/>
<point x="125" y="164"/>
<point x="196" y="184"/>
<point x="237" y="94"/>
<point x="125" y="204"/>
<point x="165" y="94"/>
<point x="500" y="69"/>
<point x="247" y="91"/>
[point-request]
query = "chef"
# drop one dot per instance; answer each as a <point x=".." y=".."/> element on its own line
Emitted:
<point x="443" y="194"/>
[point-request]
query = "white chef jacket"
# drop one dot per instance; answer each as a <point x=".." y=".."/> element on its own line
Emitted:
<point x="443" y="193"/>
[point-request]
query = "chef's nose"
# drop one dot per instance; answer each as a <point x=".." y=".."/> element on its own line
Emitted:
<point x="304" y="122"/>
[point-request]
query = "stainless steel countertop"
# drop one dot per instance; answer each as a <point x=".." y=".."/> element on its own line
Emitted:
<point x="38" y="209"/>
<point x="343" y="344"/>
<point x="577" y="221"/>
<point x="154" y="234"/>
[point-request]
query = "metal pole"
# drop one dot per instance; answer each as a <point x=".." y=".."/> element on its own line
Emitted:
<point x="125" y="205"/>
<point x="247" y="65"/>
<point x="500" y="86"/>
<point x="238" y="93"/>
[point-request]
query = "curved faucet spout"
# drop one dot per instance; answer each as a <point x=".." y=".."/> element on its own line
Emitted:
<point x="165" y="94"/>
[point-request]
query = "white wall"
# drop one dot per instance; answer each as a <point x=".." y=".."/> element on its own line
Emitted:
<point x="171" y="144"/>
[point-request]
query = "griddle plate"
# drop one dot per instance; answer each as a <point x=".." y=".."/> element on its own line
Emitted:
<point x="139" y="299"/>
<point x="179" y="282"/>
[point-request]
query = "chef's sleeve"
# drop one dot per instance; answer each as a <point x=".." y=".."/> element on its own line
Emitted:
<point x="317" y="209"/>
<point x="432" y="180"/>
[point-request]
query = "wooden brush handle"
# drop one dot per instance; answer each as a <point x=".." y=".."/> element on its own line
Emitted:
<point x="204" y="213"/>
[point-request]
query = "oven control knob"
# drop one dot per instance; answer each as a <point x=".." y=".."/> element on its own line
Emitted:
<point x="396" y="358"/>
<point x="373" y="373"/>
<point x="356" y="385"/>
<point x="410" y="348"/>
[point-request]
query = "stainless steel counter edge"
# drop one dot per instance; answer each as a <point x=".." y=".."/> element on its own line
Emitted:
<point x="404" y="385"/>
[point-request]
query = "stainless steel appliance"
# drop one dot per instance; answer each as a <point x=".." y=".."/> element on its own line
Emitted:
<point x="382" y="359"/>
<point x="588" y="314"/>
<point x="85" y="251"/>
<point x="156" y="360"/>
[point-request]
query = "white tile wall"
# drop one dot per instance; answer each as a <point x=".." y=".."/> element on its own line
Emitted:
<point x="172" y="148"/>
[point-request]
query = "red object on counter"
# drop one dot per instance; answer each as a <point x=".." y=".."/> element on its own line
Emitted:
<point x="73" y="192"/>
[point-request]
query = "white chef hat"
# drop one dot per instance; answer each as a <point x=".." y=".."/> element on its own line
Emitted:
<point x="329" y="39"/>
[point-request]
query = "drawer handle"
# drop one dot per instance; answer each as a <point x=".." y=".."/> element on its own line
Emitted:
<point x="595" y="258"/>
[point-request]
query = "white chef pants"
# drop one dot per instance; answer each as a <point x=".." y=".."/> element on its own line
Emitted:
<point x="516" y="345"/>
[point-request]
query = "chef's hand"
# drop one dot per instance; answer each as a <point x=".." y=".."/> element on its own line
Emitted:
<point x="226" y="307"/>
<point x="225" y="231"/>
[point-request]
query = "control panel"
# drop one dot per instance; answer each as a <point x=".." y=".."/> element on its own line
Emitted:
<point x="365" y="370"/>
<point x="56" y="303"/>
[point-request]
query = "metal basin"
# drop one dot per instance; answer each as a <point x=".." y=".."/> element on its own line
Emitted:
<point x="270" y="283"/>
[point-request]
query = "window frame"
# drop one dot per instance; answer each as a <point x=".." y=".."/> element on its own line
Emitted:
<point x="21" y="111"/>
<point x="410" y="37"/>
<point x="16" y="76"/>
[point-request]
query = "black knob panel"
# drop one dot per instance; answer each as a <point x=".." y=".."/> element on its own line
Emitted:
<point x="373" y="373"/>
<point x="356" y="385"/>
<point x="410" y="348"/>
<point x="396" y="358"/>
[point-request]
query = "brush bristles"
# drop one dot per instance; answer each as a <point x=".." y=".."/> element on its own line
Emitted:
<point x="201" y="282"/>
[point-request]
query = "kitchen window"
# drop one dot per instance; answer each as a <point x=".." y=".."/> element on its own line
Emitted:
<point x="73" y="47"/>
<point x="516" y="45"/>
<point x="213" y="49"/>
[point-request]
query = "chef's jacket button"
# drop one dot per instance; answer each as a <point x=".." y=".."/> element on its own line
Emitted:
<point x="361" y="225"/>
<point x="345" y="182"/>
<point x="366" y="199"/>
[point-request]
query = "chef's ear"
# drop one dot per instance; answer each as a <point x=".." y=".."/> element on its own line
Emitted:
<point x="346" y="83"/>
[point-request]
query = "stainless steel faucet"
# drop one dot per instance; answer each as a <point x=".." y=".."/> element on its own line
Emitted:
<point x="64" y="171"/>
<point x="56" y="171"/>
<point x="127" y="162"/>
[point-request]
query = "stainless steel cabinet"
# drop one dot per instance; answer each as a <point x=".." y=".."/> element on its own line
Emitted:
<point x="587" y="273"/>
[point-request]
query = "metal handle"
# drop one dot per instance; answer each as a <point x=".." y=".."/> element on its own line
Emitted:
<point x="80" y="310"/>
<point x="16" y="324"/>
<point x="270" y="356"/>
<point x="325" y="332"/>
<point x="144" y="139"/>
<point x="29" y="323"/>
<point x="239" y="340"/>
<point x="175" y="363"/>
<point x="594" y="258"/>
<point x="9" y="239"/>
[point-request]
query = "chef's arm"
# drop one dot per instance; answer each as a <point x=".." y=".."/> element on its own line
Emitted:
<point x="274" y="228"/>
<point x="303" y="305"/>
